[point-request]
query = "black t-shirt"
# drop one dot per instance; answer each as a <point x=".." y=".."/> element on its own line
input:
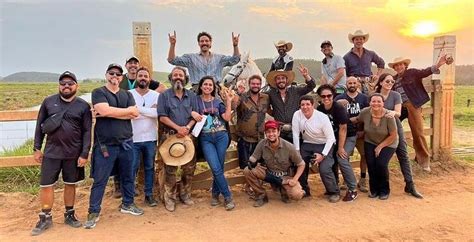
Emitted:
<point x="354" y="107"/>
<point x="112" y="131"/>
<point x="73" y="137"/>
<point x="337" y="115"/>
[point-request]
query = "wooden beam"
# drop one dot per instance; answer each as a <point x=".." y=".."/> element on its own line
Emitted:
<point x="18" y="115"/>
<point x="206" y="184"/>
<point x="142" y="43"/>
<point x="13" y="161"/>
<point x="232" y="164"/>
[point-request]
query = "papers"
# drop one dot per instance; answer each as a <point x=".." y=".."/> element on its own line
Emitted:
<point x="198" y="126"/>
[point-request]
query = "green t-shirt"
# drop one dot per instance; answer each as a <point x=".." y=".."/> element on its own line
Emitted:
<point x="375" y="134"/>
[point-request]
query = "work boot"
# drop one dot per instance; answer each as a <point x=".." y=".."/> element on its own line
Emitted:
<point x="260" y="201"/>
<point x="362" y="185"/>
<point x="410" y="188"/>
<point x="71" y="220"/>
<point x="117" y="192"/>
<point x="188" y="201"/>
<point x="45" y="222"/>
<point x="170" y="205"/>
<point x="229" y="204"/>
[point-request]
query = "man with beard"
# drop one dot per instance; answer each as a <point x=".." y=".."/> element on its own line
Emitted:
<point x="145" y="129"/>
<point x="284" y="98"/>
<point x="283" y="61"/>
<point x="354" y="101"/>
<point x="278" y="157"/>
<point x="66" y="150"/>
<point x="359" y="62"/>
<point x="251" y="108"/>
<point x="333" y="68"/>
<point x="114" y="109"/>
<point x="203" y="63"/>
<point x="174" y="112"/>
<point x="129" y="80"/>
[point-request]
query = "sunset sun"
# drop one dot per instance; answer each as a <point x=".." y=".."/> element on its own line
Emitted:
<point x="424" y="28"/>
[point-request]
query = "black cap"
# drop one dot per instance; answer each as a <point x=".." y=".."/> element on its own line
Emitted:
<point x="131" y="58"/>
<point x="68" y="74"/>
<point x="326" y="42"/>
<point x="115" y="65"/>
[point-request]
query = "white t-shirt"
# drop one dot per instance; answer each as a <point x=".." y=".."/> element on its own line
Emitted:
<point x="145" y="127"/>
<point x="316" y="130"/>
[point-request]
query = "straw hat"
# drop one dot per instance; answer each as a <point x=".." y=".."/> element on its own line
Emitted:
<point x="399" y="60"/>
<point x="289" y="45"/>
<point x="290" y="75"/>
<point x="177" y="151"/>
<point x="358" y="33"/>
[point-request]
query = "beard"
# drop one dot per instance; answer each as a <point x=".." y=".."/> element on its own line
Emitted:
<point x="142" y="84"/>
<point x="352" y="89"/>
<point x="255" y="90"/>
<point x="281" y="85"/>
<point x="281" y="52"/>
<point x="178" y="84"/>
<point x="68" y="95"/>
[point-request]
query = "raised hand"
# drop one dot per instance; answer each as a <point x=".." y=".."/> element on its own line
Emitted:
<point x="235" y="39"/>
<point x="304" y="71"/>
<point x="172" y="38"/>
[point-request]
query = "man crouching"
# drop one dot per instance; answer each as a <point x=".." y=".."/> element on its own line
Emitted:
<point x="278" y="156"/>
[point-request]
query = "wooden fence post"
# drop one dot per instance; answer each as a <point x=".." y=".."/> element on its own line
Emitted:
<point x="142" y="44"/>
<point x="443" y="100"/>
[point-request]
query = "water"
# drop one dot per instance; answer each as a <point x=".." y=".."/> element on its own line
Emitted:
<point x="16" y="133"/>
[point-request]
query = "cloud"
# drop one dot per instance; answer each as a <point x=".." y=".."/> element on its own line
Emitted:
<point x="284" y="10"/>
<point x="188" y="4"/>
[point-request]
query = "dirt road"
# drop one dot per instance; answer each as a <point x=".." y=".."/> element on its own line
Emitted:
<point x="445" y="213"/>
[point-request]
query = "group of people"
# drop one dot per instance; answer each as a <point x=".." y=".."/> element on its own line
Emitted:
<point x="282" y="133"/>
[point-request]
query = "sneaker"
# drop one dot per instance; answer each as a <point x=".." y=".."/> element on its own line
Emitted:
<point x="383" y="197"/>
<point x="131" y="209"/>
<point x="71" y="220"/>
<point x="92" y="220"/>
<point x="260" y="202"/>
<point x="362" y="185"/>
<point x="229" y="204"/>
<point x="350" y="196"/>
<point x="334" y="198"/>
<point x="150" y="201"/>
<point x="215" y="200"/>
<point x="45" y="222"/>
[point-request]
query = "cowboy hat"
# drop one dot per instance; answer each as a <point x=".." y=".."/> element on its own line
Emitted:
<point x="399" y="60"/>
<point x="177" y="151"/>
<point x="290" y="75"/>
<point x="289" y="45"/>
<point x="358" y="33"/>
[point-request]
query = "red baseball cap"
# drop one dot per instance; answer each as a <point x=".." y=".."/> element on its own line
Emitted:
<point x="272" y="124"/>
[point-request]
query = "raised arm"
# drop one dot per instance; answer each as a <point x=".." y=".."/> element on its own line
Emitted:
<point x="171" y="51"/>
<point x="235" y="44"/>
<point x="310" y="83"/>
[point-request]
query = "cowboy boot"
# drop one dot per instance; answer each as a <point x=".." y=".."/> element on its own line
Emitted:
<point x="410" y="188"/>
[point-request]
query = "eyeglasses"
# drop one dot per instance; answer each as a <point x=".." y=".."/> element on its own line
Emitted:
<point x="326" y="96"/>
<point x="70" y="84"/>
<point x="390" y="81"/>
<point x="112" y="73"/>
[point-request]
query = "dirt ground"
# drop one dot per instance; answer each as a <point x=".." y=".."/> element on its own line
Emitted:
<point x="446" y="213"/>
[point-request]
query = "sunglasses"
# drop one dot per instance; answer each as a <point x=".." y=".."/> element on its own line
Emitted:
<point x="70" y="84"/>
<point x="112" y="73"/>
<point x="326" y="96"/>
<point x="390" y="81"/>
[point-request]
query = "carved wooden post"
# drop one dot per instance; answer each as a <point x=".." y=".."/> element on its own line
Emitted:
<point x="443" y="98"/>
<point x="142" y="43"/>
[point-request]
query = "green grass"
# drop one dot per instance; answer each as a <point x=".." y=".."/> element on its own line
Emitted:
<point x="20" y="179"/>
<point x="24" y="149"/>
<point x="463" y="115"/>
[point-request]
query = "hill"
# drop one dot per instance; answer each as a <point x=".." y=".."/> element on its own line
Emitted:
<point x="31" y="76"/>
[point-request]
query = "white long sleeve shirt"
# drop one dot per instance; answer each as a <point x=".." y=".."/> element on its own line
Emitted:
<point x="316" y="130"/>
<point x="145" y="127"/>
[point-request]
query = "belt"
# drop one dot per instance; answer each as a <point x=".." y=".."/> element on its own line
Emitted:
<point x="213" y="130"/>
<point x="278" y="173"/>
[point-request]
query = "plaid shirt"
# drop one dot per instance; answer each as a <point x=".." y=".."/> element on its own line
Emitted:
<point x="198" y="66"/>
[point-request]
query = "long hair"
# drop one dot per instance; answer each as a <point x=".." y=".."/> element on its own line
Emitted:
<point x="213" y="93"/>
<point x="382" y="77"/>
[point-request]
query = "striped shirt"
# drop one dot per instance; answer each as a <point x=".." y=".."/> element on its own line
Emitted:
<point x="199" y="66"/>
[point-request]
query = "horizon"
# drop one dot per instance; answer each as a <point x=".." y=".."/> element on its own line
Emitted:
<point x="85" y="36"/>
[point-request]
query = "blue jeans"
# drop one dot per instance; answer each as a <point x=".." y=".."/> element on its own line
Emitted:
<point x="101" y="169"/>
<point x="214" y="146"/>
<point x="147" y="150"/>
<point x="245" y="150"/>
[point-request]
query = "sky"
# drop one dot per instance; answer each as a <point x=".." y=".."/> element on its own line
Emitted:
<point x="84" y="36"/>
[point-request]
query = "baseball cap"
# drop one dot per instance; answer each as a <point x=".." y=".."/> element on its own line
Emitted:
<point x="131" y="58"/>
<point x="68" y="74"/>
<point x="326" y="42"/>
<point x="272" y="124"/>
<point x="115" y="65"/>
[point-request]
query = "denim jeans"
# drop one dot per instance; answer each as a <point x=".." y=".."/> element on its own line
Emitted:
<point x="402" y="154"/>
<point x="345" y="165"/>
<point x="147" y="150"/>
<point x="245" y="150"/>
<point x="378" y="168"/>
<point x="101" y="169"/>
<point x="214" y="146"/>
<point x="325" y="168"/>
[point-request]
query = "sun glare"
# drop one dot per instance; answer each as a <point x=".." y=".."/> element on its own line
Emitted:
<point x="425" y="28"/>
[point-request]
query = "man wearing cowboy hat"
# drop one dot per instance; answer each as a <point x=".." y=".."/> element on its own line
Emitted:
<point x="408" y="82"/>
<point x="278" y="155"/>
<point x="283" y="61"/>
<point x="359" y="61"/>
<point x="284" y="98"/>
<point x="174" y="112"/>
